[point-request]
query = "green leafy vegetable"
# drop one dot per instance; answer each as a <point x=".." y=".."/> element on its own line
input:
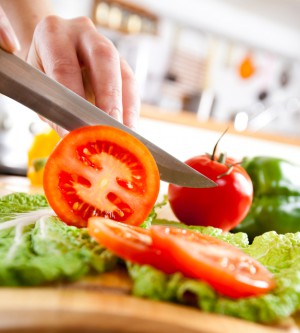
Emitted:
<point x="17" y="203"/>
<point x="36" y="247"/>
<point x="153" y="214"/>
<point x="279" y="253"/>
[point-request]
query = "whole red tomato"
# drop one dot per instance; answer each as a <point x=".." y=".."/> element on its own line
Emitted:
<point x="223" y="206"/>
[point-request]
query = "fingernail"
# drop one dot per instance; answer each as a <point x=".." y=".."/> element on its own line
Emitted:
<point x="117" y="114"/>
<point x="8" y="40"/>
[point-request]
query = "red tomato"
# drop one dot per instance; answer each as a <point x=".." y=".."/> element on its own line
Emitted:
<point x="226" y="268"/>
<point x="101" y="171"/>
<point x="223" y="206"/>
<point x="128" y="242"/>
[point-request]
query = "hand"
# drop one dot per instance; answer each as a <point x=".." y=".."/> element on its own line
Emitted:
<point x="76" y="55"/>
<point x="8" y="39"/>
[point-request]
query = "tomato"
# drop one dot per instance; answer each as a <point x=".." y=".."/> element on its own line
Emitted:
<point x="223" y="206"/>
<point x="101" y="171"/>
<point x="226" y="268"/>
<point x="128" y="242"/>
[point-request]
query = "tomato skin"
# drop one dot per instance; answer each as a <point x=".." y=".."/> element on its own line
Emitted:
<point x="128" y="242"/>
<point x="223" y="206"/>
<point x="101" y="171"/>
<point x="226" y="268"/>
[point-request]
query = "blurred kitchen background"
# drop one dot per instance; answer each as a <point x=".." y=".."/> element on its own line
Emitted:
<point x="223" y="61"/>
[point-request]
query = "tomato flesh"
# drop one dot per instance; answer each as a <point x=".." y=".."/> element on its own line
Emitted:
<point x="128" y="242"/>
<point x="101" y="171"/>
<point x="226" y="268"/>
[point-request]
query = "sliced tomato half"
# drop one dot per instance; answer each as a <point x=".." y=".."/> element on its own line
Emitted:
<point x="226" y="268"/>
<point x="101" y="171"/>
<point x="128" y="242"/>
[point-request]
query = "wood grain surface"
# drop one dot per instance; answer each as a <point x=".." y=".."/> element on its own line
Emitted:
<point x="104" y="303"/>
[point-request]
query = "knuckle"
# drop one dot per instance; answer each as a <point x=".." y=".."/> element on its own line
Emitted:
<point x="104" y="49"/>
<point x="50" y="24"/>
<point x="83" y="21"/>
<point x="111" y="91"/>
<point x="64" y="66"/>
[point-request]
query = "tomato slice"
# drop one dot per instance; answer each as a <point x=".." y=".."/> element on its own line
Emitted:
<point x="226" y="268"/>
<point x="128" y="242"/>
<point x="101" y="171"/>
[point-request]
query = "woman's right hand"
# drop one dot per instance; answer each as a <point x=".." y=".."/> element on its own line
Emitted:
<point x="8" y="38"/>
<point x="69" y="49"/>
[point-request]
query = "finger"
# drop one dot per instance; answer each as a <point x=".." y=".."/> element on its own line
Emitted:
<point x="8" y="38"/>
<point x="102" y="61"/>
<point x="59" y="130"/>
<point x="55" y="53"/>
<point x="131" y="100"/>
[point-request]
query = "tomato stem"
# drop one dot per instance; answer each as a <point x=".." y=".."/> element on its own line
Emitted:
<point x="230" y="168"/>
<point x="222" y="158"/>
<point x="216" y="145"/>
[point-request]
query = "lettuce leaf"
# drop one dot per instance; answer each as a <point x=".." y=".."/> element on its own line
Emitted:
<point x="36" y="247"/>
<point x="279" y="253"/>
<point x="17" y="203"/>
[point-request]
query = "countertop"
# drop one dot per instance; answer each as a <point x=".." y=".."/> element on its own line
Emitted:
<point x="186" y="118"/>
<point x="183" y="136"/>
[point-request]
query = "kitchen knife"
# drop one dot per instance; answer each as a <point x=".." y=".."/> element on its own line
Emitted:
<point x="32" y="88"/>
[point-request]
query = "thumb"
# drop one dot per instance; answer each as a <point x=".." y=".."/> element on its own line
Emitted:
<point x="8" y="38"/>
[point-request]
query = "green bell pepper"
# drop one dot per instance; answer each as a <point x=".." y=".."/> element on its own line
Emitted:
<point x="276" y="202"/>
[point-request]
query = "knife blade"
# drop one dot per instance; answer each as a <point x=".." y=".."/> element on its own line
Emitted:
<point x="37" y="91"/>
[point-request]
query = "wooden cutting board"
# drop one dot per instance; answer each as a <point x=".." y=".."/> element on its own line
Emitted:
<point x="103" y="303"/>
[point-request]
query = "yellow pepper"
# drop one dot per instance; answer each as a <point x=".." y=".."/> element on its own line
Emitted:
<point x="41" y="148"/>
